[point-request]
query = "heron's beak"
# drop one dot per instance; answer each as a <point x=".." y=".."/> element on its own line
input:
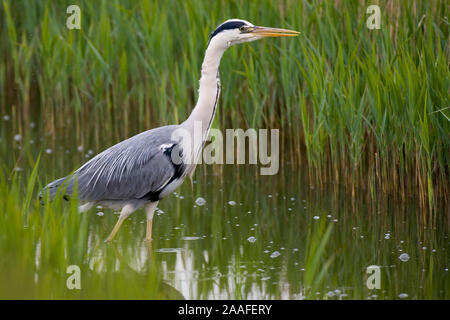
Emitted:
<point x="272" y="32"/>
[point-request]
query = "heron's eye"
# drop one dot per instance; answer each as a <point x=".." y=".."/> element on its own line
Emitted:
<point x="242" y="28"/>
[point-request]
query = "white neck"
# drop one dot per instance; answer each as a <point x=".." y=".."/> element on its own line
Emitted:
<point x="209" y="90"/>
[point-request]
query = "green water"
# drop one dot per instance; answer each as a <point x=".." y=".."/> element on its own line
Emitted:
<point x="263" y="247"/>
<point x="253" y="237"/>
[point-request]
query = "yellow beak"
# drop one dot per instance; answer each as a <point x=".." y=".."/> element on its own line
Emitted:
<point x="272" y="32"/>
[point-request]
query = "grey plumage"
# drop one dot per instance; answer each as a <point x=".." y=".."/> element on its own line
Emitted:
<point x="135" y="169"/>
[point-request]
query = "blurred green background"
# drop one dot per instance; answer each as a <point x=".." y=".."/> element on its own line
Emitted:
<point x="364" y="120"/>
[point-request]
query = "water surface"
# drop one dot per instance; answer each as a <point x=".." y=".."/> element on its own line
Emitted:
<point x="233" y="234"/>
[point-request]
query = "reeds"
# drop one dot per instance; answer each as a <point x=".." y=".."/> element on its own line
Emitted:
<point x="366" y="108"/>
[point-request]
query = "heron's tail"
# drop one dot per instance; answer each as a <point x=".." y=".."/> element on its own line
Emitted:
<point x="52" y="188"/>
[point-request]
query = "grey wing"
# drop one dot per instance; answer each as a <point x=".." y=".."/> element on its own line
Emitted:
<point x="137" y="168"/>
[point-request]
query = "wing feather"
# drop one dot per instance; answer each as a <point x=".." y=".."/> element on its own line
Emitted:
<point x="130" y="169"/>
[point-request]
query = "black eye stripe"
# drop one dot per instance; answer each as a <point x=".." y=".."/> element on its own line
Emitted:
<point x="227" y="26"/>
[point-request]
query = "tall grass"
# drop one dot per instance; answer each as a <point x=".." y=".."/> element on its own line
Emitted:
<point x="366" y="108"/>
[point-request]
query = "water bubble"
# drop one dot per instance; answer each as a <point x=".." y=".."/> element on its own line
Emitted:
<point x="292" y="198"/>
<point x="316" y="217"/>
<point x="48" y="151"/>
<point x="6" y="117"/>
<point x="404" y="257"/>
<point x="169" y="250"/>
<point x="403" y="295"/>
<point x="251" y="239"/>
<point x="275" y="254"/>
<point x="17" y="137"/>
<point x="32" y="124"/>
<point x="265" y="278"/>
<point x="100" y="214"/>
<point x="335" y="220"/>
<point x="387" y="236"/>
<point x="200" y="201"/>
<point x="232" y="203"/>
<point x="90" y="152"/>
<point x="270" y="196"/>
<point x="80" y="148"/>
<point x="330" y="294"/>
<point x="424" y="248"/>
<point x="190" y="238"/>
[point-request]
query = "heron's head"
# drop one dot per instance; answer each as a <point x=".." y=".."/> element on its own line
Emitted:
<point x="235" y="31"/>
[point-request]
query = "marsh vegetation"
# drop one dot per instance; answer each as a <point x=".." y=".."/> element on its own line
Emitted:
<point x="364" y="128"/>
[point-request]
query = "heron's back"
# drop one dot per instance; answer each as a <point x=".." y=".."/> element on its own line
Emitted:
<point x="132" y="169"/>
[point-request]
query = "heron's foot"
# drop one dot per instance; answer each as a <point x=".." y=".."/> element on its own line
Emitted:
<point x="108" y="240"/>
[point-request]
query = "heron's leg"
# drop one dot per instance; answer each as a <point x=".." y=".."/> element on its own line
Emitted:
<point x="149" y="211"/>
<point x="126" y="211"/>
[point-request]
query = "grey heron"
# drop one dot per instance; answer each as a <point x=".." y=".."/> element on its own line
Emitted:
<point x="141" y="170"/>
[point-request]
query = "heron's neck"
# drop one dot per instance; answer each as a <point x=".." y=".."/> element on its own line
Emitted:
<point x="209" y="90"/>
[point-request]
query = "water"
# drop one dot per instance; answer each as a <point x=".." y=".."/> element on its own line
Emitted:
<point x="258" y="249"/>
<point x="235" y="234"/>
